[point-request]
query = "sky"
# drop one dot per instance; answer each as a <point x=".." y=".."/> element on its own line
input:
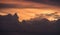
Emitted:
<point x="27" y="9"/>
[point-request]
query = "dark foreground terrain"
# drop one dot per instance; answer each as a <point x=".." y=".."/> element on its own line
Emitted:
<point x="9" y="25"/>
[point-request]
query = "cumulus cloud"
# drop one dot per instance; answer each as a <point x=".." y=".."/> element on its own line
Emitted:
<point x="55" y="15"/>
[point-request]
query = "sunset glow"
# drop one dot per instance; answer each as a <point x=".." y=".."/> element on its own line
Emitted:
<point x="28" y="13"/>
<point x="28" y="9"/>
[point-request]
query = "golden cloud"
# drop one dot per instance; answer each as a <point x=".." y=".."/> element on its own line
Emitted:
<point x="28" y="13"/>
<point x="27" y="9"/>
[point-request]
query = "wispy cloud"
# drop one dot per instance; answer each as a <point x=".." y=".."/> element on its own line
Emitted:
<point x="25" y="3"/>
<point x="55" y="15"/>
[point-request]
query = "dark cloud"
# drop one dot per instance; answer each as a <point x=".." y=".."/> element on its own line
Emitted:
<point x="49" y="2"/>
<point x="31" y="4"/>
<point x="55" y="1"/>
<point x="2" y="5"/>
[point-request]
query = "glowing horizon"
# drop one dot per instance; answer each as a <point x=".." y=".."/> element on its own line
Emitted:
<point x="26" y="9"/>
<point x="28" y="13"/>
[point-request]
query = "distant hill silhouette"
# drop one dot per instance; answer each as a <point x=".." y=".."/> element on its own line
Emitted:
<point x="43" y="25"/>
<point x="58" y="25"/>
<point x="9" y="23"/>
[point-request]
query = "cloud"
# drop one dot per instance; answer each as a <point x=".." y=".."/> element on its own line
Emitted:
<point x="55" y="15"/>
<point x="2" y="5"/>
<point x="39" y="1"/>
<point x="55" y="1"/>
<point x="26" y="4"/>
<point x="49" y="2"/>
<point x="23" y="5"/>
<point x="35" y="7"/>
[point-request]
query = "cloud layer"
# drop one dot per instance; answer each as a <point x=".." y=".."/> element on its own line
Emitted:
<point x="27" y="9"/>
<point x="28" y="3"/>
<point x="28" y="13"/>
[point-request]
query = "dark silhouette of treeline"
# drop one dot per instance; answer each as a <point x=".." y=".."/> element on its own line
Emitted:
<point x="10" y="23"/>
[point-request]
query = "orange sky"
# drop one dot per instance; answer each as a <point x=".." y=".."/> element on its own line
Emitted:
<point x="28" y="13"/>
